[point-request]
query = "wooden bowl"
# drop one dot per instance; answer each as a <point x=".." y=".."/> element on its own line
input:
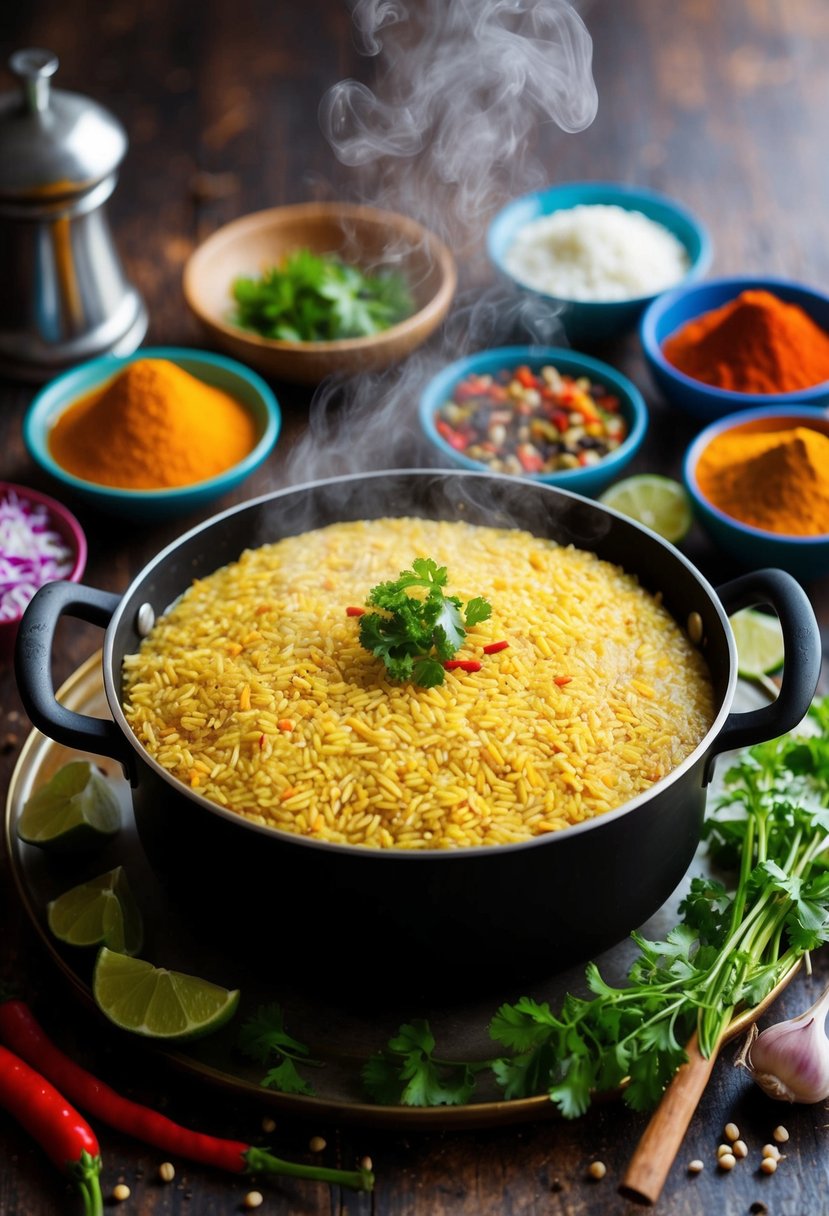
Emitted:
<point x="360" y="235"/>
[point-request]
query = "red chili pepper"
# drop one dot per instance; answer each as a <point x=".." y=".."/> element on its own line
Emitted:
<point x="530" y="460"/>
<point x="458" y="441"/>
<point x="562" y="680"/>
<point x="472" y="386"/>
<point x="497" y="393"/>
<point x="65" y="1136"/>
<point x="352" y="611"/>
<point x="526" y="378"/>
<point x="20" y="1029"/>
<point x="463" y="664"/>
<point x="494" y="647"/>
<point x="454" y="438"/>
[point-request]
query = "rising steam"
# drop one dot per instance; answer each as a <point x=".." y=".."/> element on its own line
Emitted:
<point x="446" y="136"/>
<point x="461" y="86"/>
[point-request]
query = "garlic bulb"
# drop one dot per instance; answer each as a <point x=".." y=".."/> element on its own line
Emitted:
<point x="790" y="1061"/>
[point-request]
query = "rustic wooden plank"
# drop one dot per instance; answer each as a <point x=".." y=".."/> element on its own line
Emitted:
<point x="721" y="105"/>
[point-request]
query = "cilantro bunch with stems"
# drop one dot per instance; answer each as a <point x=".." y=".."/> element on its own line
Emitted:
<point x="730" y="949"/>
<point x="415" y="634"/>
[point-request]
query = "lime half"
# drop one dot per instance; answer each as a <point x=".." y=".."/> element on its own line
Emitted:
<point x="158" y="1003"/>
<point x="759" y="639"/>
<point x="659" y="503"/>
<point x="100" y="910"/>
<point x="76" y="809"/>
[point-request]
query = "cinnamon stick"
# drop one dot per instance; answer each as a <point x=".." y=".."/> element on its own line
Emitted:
<point x="662" y="1138"/>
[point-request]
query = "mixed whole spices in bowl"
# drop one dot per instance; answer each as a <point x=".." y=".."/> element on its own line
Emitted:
<point x="153" y="426"/>
<point x="775" y="480"/>
<point x="756" y="343"/>
<point x="522" y="421"/>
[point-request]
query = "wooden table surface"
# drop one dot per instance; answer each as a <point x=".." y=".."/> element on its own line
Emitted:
<point x="721" y="105"/>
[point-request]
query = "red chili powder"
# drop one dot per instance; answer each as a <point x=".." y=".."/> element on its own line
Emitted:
<point x="755" y="344"/>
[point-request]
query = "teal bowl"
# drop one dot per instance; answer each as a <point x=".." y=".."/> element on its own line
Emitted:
<point x="589" y="321"/>
<point x="216" y="370"/>
<point x="805" y="557"/>
<point x="591" y="479"/>
<point x="676" y="308"/>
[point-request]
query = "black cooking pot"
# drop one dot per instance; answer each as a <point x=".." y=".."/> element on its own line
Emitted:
<point x="511" y="910"/>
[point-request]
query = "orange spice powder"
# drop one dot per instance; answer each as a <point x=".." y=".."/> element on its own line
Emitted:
<point x="774" y="480"/>
<point x="153" y="426"/>
<point x="757" y="343"/>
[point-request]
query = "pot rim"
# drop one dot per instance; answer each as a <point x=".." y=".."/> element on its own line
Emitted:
<point x="397" y="853"/>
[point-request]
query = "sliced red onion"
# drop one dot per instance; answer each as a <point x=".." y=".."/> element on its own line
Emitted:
<point x="31" y="553"/>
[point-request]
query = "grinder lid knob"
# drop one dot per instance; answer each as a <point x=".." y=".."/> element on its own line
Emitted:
<point x="53" y="143"/>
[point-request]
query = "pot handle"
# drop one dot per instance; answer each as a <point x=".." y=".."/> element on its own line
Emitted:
<point x="801" y="640"/>
<point x="33" y="669"/>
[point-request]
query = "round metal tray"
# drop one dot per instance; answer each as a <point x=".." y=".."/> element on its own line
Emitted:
<point x="336" y="1030"/>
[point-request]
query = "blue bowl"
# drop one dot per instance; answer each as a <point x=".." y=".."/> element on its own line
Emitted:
<point x="216" y="370"/>
<point x="588" y="480"/>
<point x="587" y="321"/>
<point x="805" y="557"/>
<point x="671" y="311"/>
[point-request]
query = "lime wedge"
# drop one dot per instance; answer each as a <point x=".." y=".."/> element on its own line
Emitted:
<point x="759" y="641"/>
<point x="659" y="503"/>
<point x="76" y="809"/>
<point x="100" y="910"/>
<point x="158" y="1003"/>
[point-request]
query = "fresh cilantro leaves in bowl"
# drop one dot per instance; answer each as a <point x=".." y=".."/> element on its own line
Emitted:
<point x="320" y="298"/>
<point x="369" y="285"/>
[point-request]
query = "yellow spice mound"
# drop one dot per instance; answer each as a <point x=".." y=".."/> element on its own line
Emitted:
<point x="153" y="426"/>
<point x="774" y="480"/>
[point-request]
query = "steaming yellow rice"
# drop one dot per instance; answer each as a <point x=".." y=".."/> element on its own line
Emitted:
<point x="254" y="690"/>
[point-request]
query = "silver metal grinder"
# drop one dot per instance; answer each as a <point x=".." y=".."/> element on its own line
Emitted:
<point x="65" y="296"/>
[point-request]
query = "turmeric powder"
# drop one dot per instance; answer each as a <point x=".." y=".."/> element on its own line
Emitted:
<point x="774" y="480"/>
<point x="153" y="426"/>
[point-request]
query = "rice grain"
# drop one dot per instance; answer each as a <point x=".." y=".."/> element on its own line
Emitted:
<point x="489" y="757"/>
